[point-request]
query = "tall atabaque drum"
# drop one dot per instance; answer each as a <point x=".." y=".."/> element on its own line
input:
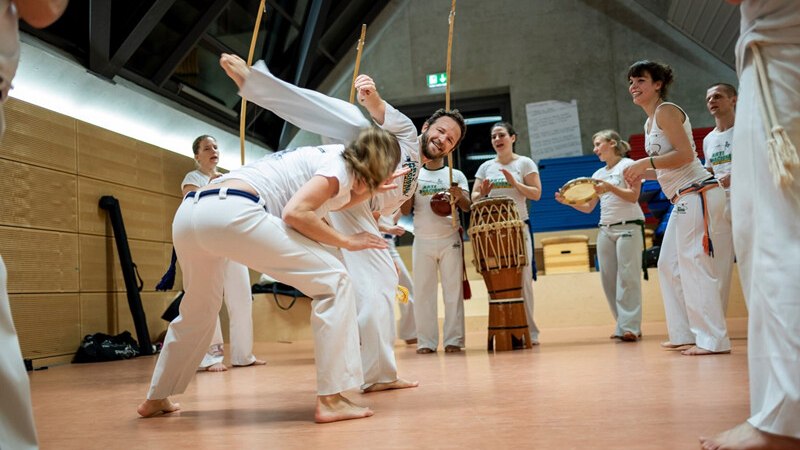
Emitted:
<point x="498" y="241"/>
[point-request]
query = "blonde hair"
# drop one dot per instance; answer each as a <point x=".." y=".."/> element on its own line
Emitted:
<point x="620" y="147"/>
<point x="373" y="156"/>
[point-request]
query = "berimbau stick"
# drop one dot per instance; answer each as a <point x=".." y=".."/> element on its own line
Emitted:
<point x="451" y="20"/>
<point x="242" y="114"/>
<point x="358" y="62"/>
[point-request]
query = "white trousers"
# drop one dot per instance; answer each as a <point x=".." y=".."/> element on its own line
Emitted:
<point x="619" y="252"/>
<point x="406" y="325"/>
<point x="690" y="281"/>
<point x="17" y="430"/>
<point x="436" y="259"/>
<point x="375" y="280"/>
<point x="209" y="232"/>
<point x="766" y="227"/>
<point x="239" y="301"/>
<point x="527" y="288"/>
<point x="726" y="267"/>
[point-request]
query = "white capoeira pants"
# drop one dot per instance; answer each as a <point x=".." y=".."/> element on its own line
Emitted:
<point x="527" y="289"/>
<point x="619" y="252"/>
<point x="210" y="231"/>
<point x="17" y="430"/>
<point x="239" y="302"/>
<point x="689" y="278"/>
<point x="406" y="325"/>
<point x="766" y="227"/>
<point x="433" y="258"/>
<point x="726" y="271"/>
<point x="375" y="280"/>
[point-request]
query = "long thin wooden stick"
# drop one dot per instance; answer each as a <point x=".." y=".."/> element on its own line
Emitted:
<point x="243" y="113"/>
<point x="358" y="62"/>
<point x="451" y="20"/>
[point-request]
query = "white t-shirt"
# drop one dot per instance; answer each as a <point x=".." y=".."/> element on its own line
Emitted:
<point x="717" y="147"/>
<point x="671" y="180"/>
<point x="520" y="167"/>
<point x="403" y="129"/>
<point x="195" y="178"/>
<point x="278" y="176"/>
<point x="614" y="209"/>
<point x="427" y="224"/>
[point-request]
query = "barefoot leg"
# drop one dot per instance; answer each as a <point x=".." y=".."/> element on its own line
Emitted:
<point x="396" y="384"/>
<point x="336" y="407"/>
<point x="235" y="67"/>
<point x="746" y="437"/>
<point x="150" y="408"/>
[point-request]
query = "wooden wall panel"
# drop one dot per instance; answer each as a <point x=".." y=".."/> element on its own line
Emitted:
<point x="143" y="212"/>
<point x="39" y="136"/>
<point x="39" y="261"/>
<point x="110" y="156"/>
<point x="153" y="304"/>
<point x="38" y="198"/>
<point x="175" y="167"/>
<point x="99" y="264"/>
<point x="98" y="313"/>
<point x="171" y="206"/>
<point x="47" y="324"/>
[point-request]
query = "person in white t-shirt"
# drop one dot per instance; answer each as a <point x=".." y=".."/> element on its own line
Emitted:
<point x="268" y="215"/>
<point x="514" y="176"/>
<point x="694" y="251"/>
<point x="765" y="208"/>
<point x="236" y="289"/>
<point x="437" y="254"/>
<point x="620" y="241"/>
<point x="717" y="148"/>
<point x="17" y="428"/>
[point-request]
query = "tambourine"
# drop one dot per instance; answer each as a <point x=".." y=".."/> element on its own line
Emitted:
<point x="578" y="191"/>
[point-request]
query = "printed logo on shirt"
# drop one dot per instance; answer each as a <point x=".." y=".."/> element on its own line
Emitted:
<point x="501" y="183"/>
<point x="721" y="154"/>
<point x="427" y="190"/>
<point x="654" y="149"/>
<point x="409" y="180"/>
<point x="457" y="244"/>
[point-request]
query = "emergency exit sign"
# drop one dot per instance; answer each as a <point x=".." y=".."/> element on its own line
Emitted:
<point x="437" y="80"/>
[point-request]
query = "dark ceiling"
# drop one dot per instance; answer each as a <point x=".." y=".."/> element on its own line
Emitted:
<point x="172" y="47"/>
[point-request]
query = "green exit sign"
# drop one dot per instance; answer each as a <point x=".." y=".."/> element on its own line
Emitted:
<point x="437" y="80"/>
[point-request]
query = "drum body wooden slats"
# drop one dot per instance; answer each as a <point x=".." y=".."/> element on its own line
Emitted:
<point x="498" y="242"/>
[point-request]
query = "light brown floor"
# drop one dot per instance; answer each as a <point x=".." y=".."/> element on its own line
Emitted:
<point x="578" y="390"/>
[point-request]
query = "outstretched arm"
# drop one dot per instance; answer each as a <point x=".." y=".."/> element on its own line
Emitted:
<point x="307" y="109"/>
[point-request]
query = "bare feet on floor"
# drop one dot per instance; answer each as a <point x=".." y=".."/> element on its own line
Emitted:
<point x="452" y="349"/>
<point x="671" y="346"/>
<point x="425" y="350"/>
<point x="396" y="384"/>
<point x="218" y="367"/>
<point x="150" y="408"/>
<point x="746" y="437"/>
<point x="698" y="351"/>
<point x="336" y="407"/>
<point x="257" y="362"/>
<point x="629" y="337"/>
<point x="235" y="67"/>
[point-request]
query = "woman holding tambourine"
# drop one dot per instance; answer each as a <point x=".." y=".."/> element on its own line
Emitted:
<point x="517" y="177"/>
<point x="621" y="240"/>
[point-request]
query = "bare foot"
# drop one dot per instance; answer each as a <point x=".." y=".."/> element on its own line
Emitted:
<point x="671" y="346"/>
<point x="629" y="337"/>
<point x="150" y="408"/>
<point x="396" y="384"/>
<point x="235" y="67"/>
<point x="425" y="350"/>
<point x="452" y="349"/>
<point x="218" y="367"/>
<point x="746" y="437"/>
<point x="333" y="408"/>
<point x="698" y="351"/>
<point x="257" y="362"/>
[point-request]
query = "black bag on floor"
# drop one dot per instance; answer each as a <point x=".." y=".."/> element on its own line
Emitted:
<point x="103" y="347"/>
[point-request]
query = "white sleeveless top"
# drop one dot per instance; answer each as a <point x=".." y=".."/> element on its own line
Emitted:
<point x="656" y="143"/>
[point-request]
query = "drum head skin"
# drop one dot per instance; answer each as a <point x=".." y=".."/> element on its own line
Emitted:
<point x="579" y="191"/>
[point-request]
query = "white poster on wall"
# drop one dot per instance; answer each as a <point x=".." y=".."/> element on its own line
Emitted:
<point x="554" y="129"/>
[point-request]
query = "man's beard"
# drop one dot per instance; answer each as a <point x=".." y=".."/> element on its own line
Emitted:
<point x="426" y="151"/>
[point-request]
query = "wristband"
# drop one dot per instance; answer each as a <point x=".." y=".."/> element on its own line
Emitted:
<point x="652" y="164"/>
